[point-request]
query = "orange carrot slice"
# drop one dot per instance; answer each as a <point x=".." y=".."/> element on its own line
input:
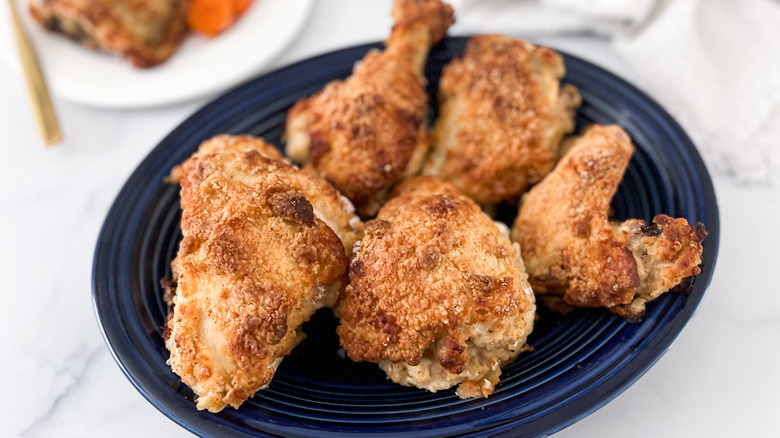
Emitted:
<point x="211" y="17"/>
<point x="241" y="6"/>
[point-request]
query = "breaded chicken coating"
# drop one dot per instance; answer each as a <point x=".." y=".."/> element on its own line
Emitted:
<point x="145" y="32"/>
<point x="502" y="116"/>
<point x="438" y="295"/>
<point x="261" y="252"/>
<point x="369" y="131"/>
<point x="574" y="253"/>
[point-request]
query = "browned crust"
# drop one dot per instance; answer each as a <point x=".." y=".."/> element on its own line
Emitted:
<point x="570" y="248"/>
<point x="432" y="15"/>
<point x="292" y="206"/>
<point x="562" y="228"/>
<point x="669" y="249"/>
<point x="145" y="32"/>
<point x="254" y="263"/>
<point x="430" y="264"/>
<point x="363" y="136"/>
<point x="502" y="116"/>
<point x="367" y="132"/>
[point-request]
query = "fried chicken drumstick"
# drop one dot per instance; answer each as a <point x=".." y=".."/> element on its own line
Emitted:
<point x="438" y="295"/>
<point x="263" y="248"/>
<point x="369" y="131"/>
<point x="574" y="253"/>
<point x="503" y="113"/>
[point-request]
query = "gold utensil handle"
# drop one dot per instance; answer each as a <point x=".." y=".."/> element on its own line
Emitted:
<point x="36" y="86"/>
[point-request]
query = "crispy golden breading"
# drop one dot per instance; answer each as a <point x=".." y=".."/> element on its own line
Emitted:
<point x="259" y="255"/>
<point x="502" y="116"/>
<point x="438" y="295"/>
<point x="369" y="131"/>
<point x="145" y="32"/>
<point x="570" y="248"/>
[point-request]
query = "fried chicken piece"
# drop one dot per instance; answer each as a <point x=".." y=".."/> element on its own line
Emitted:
<point x="438" y="295"/>
<point x="262" y="251"/>
<point x="575" y="254"/>
<point x="369" y="131"/>
<point x="502" y="116"/>
<point x="145" y="32"/>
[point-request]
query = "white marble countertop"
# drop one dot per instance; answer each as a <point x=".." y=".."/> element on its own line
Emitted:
<point x="720" y="379"/>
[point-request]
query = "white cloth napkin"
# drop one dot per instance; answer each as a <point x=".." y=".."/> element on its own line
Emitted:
<point x="713" y="64"/>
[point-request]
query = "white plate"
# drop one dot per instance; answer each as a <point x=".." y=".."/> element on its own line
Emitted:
<point x="200" y="67"/>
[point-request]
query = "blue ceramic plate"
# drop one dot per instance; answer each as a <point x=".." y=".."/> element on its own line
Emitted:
<point x="578" y="364"/>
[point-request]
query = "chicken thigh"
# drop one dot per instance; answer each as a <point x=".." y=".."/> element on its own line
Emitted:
<point x="438" y="296"/>
<point x="503" y="113"/>
<point x="145" y="32"/>
<point x="263" y="248"/>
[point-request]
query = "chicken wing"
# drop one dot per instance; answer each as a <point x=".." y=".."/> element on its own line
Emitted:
<point x="502" y="116"/>
<point x="145" y="32"/>
<point x="263" y="248"/>
<point x="438" y="295"/>
<point x="574" y="253"/>
<point x="369" y="131"/>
